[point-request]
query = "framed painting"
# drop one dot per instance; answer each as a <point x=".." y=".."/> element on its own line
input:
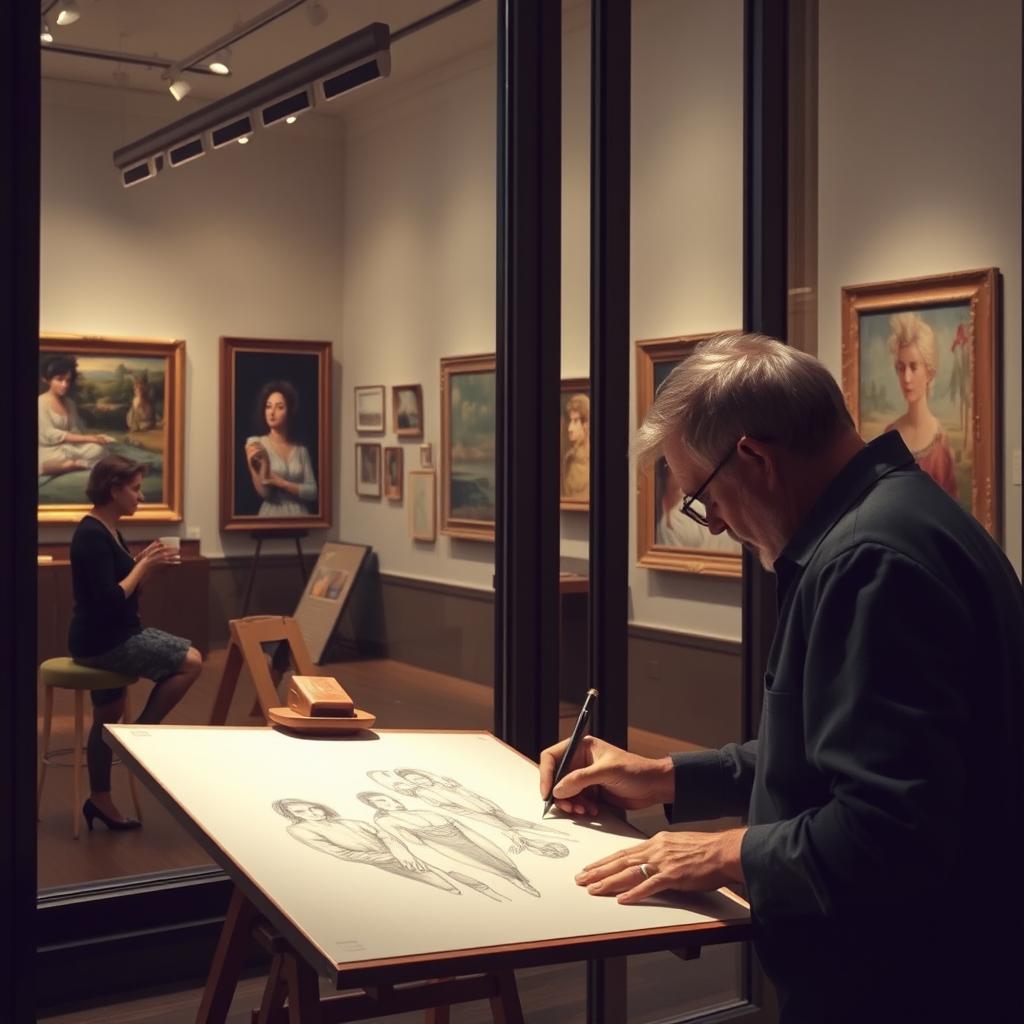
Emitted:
<point x="467" y="447"/>
<point x="574" y="474"/>
<point x="393" y="474"/>
<point x="369" y="404"/>
<point x="275" y="434"/>
<point x="407" y="410"/>
<point x="423" y="504"/>
<point x="922" y="356"/>
<point x="426" y="455"/>
<point x="367" y="469"/>
<point x="666" y="539"/>
<point x="110" y="396"/>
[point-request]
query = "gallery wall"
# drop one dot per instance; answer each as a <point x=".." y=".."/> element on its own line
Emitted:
<point x="419" y="208"/>
<point x="920" y="166"/>
<point x="378" y="233"/>
<point x="243" y="242"/>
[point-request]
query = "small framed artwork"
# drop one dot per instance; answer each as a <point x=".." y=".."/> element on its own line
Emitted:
<point x="275" y="434"/>
<point x="109" y="396"/>
<point x="666" y="539"/>
<point x="393" y="474"/>
<point x="467" y="447"/>
<point x="367" y="469"/>
<point x="422" y="504"/>
<point x="426" y="456"/>
<point x="407" y="410"/>
<point x="574" y="486"/>
<point x="327" y="592"/>
<point x="369" y="402"/>
<point x="922" y="356"/>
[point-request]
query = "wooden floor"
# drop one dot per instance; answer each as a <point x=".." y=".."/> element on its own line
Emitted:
<point x="402" y="696"/>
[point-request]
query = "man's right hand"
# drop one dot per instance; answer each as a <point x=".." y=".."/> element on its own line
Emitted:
<point x="601" y="771"/>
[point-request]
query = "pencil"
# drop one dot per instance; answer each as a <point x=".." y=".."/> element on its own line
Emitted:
<point x="570" y="751"/>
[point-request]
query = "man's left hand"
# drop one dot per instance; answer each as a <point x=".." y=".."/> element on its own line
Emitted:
<point x="684" y="861"/>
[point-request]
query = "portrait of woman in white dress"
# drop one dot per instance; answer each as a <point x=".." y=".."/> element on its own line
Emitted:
<point x="279" y="466"/>
<point x="64" y="443"/>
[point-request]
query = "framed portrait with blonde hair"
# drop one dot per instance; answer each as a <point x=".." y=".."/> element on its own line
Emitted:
<point x="921" y="356"/>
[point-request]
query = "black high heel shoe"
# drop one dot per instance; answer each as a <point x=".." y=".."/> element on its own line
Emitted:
<point x="91" y="811"/>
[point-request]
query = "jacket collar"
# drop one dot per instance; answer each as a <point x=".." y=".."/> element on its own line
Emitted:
<point x="879" y="458"/>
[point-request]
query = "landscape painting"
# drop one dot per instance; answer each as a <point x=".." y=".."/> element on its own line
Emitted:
<point x="468" y="447"/>
<point x="109" y="396"/>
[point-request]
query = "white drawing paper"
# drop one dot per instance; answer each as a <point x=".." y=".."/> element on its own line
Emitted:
<point x="400" y="843"/>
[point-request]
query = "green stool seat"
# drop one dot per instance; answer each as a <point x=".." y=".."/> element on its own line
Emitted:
<point x="66" y="674"/>
<point x="69" y="675"/>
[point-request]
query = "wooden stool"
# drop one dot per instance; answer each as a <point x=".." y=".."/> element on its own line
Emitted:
<point x="65" y="674"/>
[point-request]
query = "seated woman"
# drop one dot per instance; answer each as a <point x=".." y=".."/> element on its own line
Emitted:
<point x="105" y="629"/>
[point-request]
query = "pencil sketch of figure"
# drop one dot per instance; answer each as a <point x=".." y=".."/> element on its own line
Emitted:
<point x="446" y="836"/>
<point x="321" y="828"/>
<point x="449" y="795"/>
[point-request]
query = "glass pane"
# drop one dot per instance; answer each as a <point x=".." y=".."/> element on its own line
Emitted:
<point x="687" y="202"/>
<point x="367" y="224"/>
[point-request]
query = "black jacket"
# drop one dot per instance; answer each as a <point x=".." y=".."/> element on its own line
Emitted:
<point x="887" y="777"/>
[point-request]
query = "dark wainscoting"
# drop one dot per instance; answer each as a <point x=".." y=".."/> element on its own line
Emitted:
<point x="681" y="684"/>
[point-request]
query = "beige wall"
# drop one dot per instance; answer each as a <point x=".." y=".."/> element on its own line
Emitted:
<point x="242" y="242"/>
<point x="417" y="283"/>
<point x="378" y="234"/>
<point x="687" y="232"/>
<point x="919" y="163"/>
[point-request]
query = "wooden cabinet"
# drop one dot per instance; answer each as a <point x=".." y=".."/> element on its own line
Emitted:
<point x="177" y="599"/>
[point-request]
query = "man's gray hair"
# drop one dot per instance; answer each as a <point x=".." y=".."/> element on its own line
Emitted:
<point x="735" y="385"/>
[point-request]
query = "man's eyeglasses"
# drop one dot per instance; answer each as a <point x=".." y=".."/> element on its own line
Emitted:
<point x="694" y="506"/>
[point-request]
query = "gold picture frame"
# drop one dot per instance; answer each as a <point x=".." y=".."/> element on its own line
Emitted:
<point x="407" y="410"/>
<point x="468" y="386"/>
<point x="368" y="469"/>
<point x="926" y="349"/>
<point x="574" y="454"/>
<point x="127" y="395"/>
<point x="368" y="402"/>
<point x="248" y="367"/>
<point x="423" y="504"/>
<point x="393" y="464"/>
<point x="666" y="539"/>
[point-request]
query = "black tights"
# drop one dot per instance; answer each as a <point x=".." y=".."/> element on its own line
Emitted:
<point x="108" y="707"/>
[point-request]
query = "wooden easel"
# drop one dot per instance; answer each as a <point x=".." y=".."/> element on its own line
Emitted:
<point x="259" y="537"/>
<point x="247" y="636"/>
<point x="292" y="993"/>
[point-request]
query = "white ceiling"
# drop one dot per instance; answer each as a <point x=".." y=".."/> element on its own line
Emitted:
<point x="176" y="29"/>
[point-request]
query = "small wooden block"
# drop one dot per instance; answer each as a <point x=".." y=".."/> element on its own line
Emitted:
<point x="319" y="695"/>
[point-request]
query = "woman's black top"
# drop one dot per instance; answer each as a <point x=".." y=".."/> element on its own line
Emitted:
<point x="103" y="617"/>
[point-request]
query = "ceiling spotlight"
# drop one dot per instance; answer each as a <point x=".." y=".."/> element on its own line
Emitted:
<point x="45" y="35"/>
<point x="315" y="13"/>
<point x="290" y="119"/>
<point x="178" y="87"/>
<point x="218" y="63"/>
<point x="68" y="13"/>
<point x="243" y="140"/>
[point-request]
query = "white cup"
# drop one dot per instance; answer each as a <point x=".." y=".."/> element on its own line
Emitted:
<point x="172" y="542"/>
